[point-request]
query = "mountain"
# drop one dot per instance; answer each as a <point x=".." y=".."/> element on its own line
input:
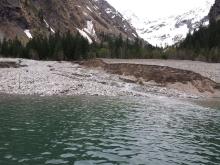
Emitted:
<point x="214" y="14"/>
<point x="203" y="44"/>
<point x="91" y="18"/>
<point x="172" y="29"/>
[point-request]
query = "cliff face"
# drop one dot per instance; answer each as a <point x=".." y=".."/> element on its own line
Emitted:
<point x="89" y="17"/>
<point x="214" y="14"/>
<point x="12" y="19"/>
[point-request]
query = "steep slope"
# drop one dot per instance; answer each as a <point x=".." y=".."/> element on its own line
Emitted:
<point x="12" y="19"/>
<point x="214" y="14"/>
<point x="26" y="18"/>
<point x="172" y="29"/>
<point x="203" y="44"/>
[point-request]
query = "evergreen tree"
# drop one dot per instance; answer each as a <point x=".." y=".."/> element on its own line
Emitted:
<point x="41" y="15"/>
<point x="74" y="47"/>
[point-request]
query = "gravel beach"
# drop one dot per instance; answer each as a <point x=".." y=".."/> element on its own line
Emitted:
<point x="47" y="78"/>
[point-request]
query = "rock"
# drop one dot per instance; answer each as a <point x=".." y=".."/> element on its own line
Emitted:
<point x="140" y="81"/>
<point x="128" y="79"/>
<point x="11" y="13"/>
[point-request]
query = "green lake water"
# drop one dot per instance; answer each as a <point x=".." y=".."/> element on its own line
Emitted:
<point x="102" y="130"/>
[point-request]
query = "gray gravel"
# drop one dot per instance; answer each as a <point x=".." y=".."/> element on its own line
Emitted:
<point x="48" y="78"/>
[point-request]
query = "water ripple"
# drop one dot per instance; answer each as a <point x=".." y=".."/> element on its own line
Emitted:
<point x="94" y="130"/>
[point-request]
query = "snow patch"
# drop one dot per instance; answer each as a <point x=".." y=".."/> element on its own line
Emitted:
<point x="52" y="30"/>
<point x="85" y="13"/>
<point x="108" y="10"/>
<point x="88" y="8"/>
<point x="85" y="35"/>
<point x="90" y="29"/>
<point x="28" y="33"/>
<point x="78" y="6"/>
<point x="95" y="7"/>
<point x="134" y="35"/>
<point x="48" y="26"/>
<point x="206" y="23"/>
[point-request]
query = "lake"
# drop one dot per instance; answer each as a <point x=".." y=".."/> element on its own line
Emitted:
<point x="103" y="130"/>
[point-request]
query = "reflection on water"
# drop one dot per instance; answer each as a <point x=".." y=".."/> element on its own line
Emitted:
<point x="102" y="130"/>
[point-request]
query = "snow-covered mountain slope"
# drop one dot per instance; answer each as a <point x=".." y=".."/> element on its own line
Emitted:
<point x="171" y="29"/>
<point x="91" y="18"/>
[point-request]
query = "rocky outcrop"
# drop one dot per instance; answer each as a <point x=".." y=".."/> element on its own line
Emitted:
<point x="90" y="17"/>
<point x="12" y="19"/>
<point x="214" y="14"/>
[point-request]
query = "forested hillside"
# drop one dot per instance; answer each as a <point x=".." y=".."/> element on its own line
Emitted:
<point x="203" y="44"/>
<point x="75" y="47"/>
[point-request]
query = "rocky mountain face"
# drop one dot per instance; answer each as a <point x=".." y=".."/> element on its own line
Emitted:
<point x="172" y="29"/>
<point x="214" y="14"/>
<point x="26" y="18"/>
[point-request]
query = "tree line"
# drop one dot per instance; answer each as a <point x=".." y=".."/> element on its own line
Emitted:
<point x="203" y="44"/>
<point x="75" y="47"/>
<point x="54" y="47"/>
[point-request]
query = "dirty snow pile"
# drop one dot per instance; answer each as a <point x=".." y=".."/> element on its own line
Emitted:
<point x="85" y="35"/>
<point x="88" y="31"/>
<point x="28" y="33"/>
<point x="47" y="78"/>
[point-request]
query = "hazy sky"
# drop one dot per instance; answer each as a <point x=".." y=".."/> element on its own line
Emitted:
<point x="157" y="8"/>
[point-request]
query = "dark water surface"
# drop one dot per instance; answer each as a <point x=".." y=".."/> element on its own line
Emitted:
<point x="102" y="130"/>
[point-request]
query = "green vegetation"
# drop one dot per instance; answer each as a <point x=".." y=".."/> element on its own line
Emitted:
<point x="116" y="47"/>
<point x="203" y="45"/>
<point x="75" y="47"/>
<point x="54" y="47"/>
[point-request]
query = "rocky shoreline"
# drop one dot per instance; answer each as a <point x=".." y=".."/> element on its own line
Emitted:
<point x="166" y="73"/>
<point x="47" y="78"/>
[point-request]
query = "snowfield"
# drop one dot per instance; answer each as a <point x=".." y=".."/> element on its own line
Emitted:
<point x="169" y="30"/>
<point x="47" y="78"/>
